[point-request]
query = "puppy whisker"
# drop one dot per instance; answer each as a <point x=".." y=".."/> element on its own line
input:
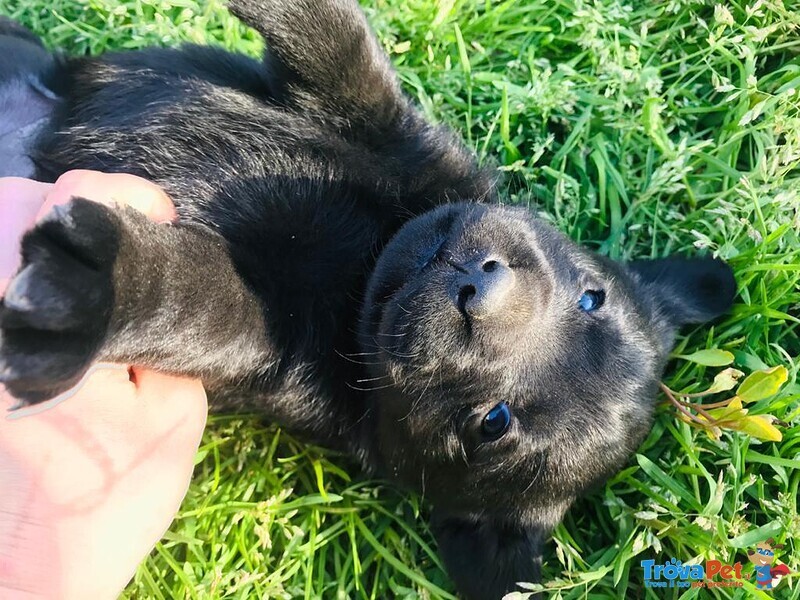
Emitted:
<point x="368" y="389"/>
<point x="371" y="379"/>
<point x="348" y="358"/>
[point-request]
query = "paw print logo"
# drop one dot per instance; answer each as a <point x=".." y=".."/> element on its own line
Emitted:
<point x="767" y="576"/>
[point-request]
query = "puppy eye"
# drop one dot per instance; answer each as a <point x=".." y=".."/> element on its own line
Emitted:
<point x="591" y="300"/>
<point x="496" y="422"/>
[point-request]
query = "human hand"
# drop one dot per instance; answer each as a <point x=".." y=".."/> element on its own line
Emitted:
<point x="90" y="484"/>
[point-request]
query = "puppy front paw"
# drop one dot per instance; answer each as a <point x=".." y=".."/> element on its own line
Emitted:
<point x="56" y="311"/>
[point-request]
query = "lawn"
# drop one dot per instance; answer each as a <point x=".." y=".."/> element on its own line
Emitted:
<point x="640" y="129"/>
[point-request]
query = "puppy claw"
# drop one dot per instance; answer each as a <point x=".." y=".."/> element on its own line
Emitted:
<point x="16" y="406"/>
<point x="17" y="294"/>
<point x="49" y="297"/>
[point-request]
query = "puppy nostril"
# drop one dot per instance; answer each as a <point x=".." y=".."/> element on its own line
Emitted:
<point x="465" y="294"/>
<point x="489" y="266"/>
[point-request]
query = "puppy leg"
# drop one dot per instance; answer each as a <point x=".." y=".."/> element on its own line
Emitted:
<point x="103" y="284"/>
<point x="322" y="57"/>
<point x="326" y="58"/>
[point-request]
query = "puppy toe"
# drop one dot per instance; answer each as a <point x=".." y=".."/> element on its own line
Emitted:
<point x="81" y="229"/>
<point x="48" y="297"/>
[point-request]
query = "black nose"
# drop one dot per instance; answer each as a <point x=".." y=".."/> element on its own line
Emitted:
<point x="482" y="286"/>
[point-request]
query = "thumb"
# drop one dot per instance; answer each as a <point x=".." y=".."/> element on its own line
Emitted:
<point x="112" y="188"/>
<point x="20" y="201"/>
<point x="170" y="395"/>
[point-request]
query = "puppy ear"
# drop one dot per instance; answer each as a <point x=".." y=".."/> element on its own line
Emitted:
<point x="486" y="558"/>
<point x="687" y="290"/>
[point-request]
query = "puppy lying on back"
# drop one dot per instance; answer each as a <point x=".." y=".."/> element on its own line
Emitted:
<point x="342" y="265"/>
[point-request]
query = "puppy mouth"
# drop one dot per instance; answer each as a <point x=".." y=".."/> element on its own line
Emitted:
<point x="463" y="297"/>
<point x="455" y="302"/>
<point x="418" y="322"/>
<point x="454" y="290"/>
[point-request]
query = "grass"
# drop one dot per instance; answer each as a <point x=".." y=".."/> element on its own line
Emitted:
<point x="640" y="129"/>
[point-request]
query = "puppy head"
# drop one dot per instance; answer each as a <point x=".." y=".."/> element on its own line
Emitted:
<point x="515" y="371"/>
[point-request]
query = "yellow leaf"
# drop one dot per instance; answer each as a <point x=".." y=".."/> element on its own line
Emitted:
<point x="731" y="412"/>
<point x="762" y="384"/>
<point x="759" y="427"/>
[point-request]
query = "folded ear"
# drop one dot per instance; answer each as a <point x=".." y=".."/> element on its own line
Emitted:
<point x="687" y="290"/>
<point x="486" y="558"/>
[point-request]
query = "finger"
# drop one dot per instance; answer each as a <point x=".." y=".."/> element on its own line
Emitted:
<point x="187" y="396"/>
<point x="157" y="476"/>
<point x="20" y="201"/>
<point x="112" y="189"/>
<point x="103" y="375"/>
<point x="114" y="464"/>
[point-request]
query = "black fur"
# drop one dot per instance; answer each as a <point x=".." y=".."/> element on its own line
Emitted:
<point x="342" y="265"/>
<point x="27" y="73"/>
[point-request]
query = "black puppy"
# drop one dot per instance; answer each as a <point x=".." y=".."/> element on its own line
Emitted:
<point x="342" y="265"/>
